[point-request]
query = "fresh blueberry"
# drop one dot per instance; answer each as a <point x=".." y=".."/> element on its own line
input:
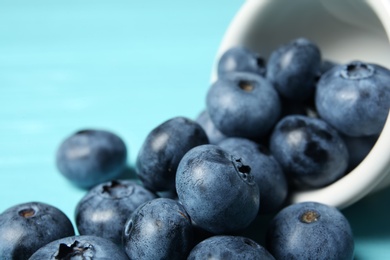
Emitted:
<point x="80" y="248"/>
<point x="267" y="172"/>
<point x="90" y="157"/>
<point x="293" y="68"/>
<point x="103" y="211"/>
<point x="243" y="105"/>
<point x="355" y="98"/>
<point x="217" y="190"/>
<point x="310" y="230"/>
<point x="358" y="148"/>
<point x="240" y="59"/>
<point x="311" y="152"/>
<point x="26" y="227"/>
<point x="213" y="133"/>
<point x="225" y="247"/>
<point x="158" y="229"/>
<point x="163" y="149"/>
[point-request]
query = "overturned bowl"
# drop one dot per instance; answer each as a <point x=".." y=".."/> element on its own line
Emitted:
<point x="344" y="30"/>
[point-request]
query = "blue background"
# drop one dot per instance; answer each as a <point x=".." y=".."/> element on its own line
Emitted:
<point x="124" y="66"/>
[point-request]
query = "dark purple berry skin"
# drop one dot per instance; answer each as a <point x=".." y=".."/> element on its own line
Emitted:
<point x="293" y="69"/>
<point x="354" y="98"/>
<point x="158" y="229"/>
<point x="266" y="170"/>
<point x="103" y="211"/>
<point x="217" y="190"/>
<point x="213" y="133"/>
<point x="240" y="59"/>
<point x="358" y="148"/>
<point x="310" y="151"/>
<point x="89" y="157"/>
<point x="310" y="230"/>
<point x="225" y="247"/>
<point x="243" y="105"/>
<point x="26" y="227"/>
<point x="163" y="149"/>
<point x="80" y="248"/>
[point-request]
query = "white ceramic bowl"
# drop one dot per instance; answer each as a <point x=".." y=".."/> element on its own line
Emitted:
<point x="344" y="30"/>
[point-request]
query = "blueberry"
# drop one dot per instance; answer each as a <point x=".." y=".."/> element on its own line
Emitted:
<point x="267" y="172"/>
<point x="213" y="133"/>
<point x="103" y="211"/>
<point x="241" y="59"/>
<point x="225" y="247"/>
<point x="311" y="153"/>
<point x="158" y="229"/>
<point x="90" y="157"/>
<point x="243" y="105"/>
<point x="310" y="230"/>
<point x="358" y="148"/>
<point x="80" y="248"/>
<point x="26" y="227"/>
<point x="163" y="149"/>
<point x="217" y="190"/>
<point x="293" y="68"/>
<point x="355" y="98"/>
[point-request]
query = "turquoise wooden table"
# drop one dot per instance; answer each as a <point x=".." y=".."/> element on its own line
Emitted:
<point x="124" y="66"/>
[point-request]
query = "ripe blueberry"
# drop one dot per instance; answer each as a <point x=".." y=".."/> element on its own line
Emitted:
<point x="80" y="247"/>
<point x="158" y="229"/>
<point x="310" y="230"/>
<point x="163" y="149"/>
<point x="354" y="98"/>
<point x="229" y="247"/>
<point x="217" y="190"/>
<point x="293" y="68"/>
<point x="104" y="210"/>
<point x="26" y="227"/>
<point x="241" y="59"/>
<point x="243" y="105"/>
<point x="90" y="157"/>
<point x="311" y="152"/>
<point x="267" y="172"/>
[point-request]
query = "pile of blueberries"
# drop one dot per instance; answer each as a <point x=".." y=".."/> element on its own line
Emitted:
<point x="295" y="122"/>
